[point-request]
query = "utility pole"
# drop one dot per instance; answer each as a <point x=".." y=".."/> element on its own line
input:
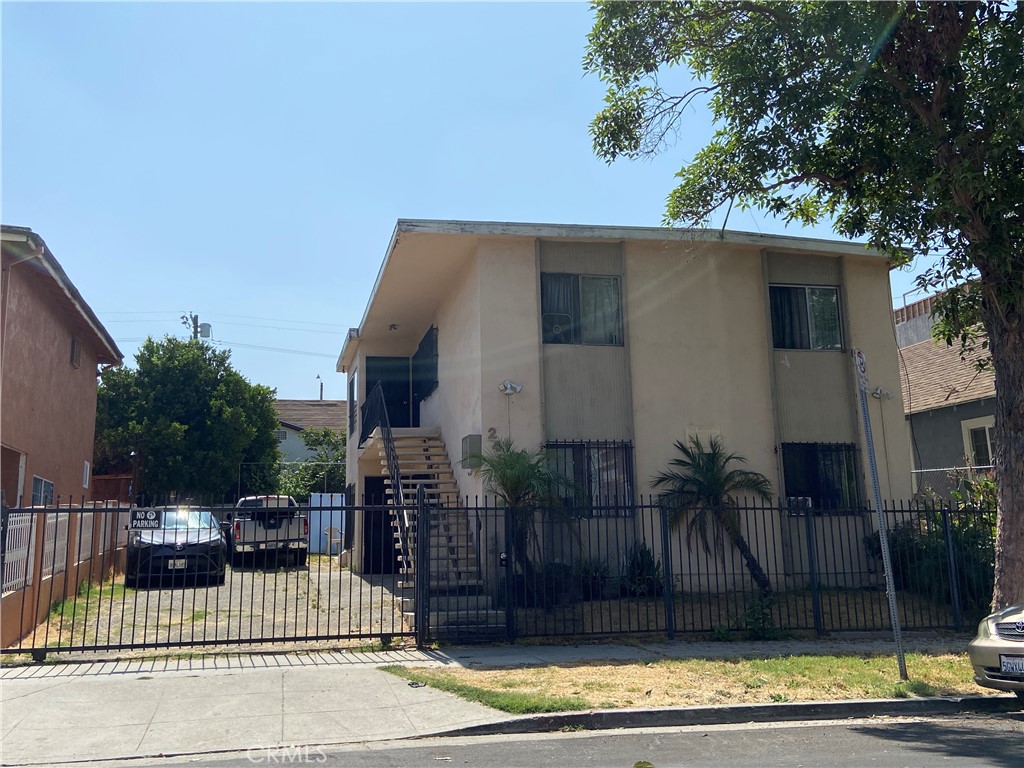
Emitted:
<point x="198" y="329"/>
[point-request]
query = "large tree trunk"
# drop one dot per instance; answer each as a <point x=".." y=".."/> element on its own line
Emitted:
<point x="1006" y="344"/>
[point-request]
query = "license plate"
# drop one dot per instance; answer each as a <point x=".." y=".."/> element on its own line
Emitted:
<point x="178" y="562"/>
<point x="1011" y="665"/>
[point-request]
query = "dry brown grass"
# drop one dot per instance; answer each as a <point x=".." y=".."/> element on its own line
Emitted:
<point x="694" y="682"/>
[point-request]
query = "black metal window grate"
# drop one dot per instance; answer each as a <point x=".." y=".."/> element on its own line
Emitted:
<point x="821" y="475"/>
<point x="602" y="471"/>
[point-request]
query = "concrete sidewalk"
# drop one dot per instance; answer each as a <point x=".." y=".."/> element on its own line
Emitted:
<point x="100" y="710"/>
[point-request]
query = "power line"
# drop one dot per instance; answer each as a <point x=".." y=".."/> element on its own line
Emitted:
<point x="280" y="327"/>
<point x="303" y="322"/>
<point x="224" y="342"/>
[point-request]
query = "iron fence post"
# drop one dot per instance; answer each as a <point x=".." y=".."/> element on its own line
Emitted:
<point x="666" y="558"/>
<point x="954" y="584"/>
<point x="422" y="569"/>
<point x="812" y="567"/>
<point x="5" y="515"/>
<point x="510" y="607"/>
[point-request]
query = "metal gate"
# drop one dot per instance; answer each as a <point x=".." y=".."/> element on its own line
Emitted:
<point x="77" y="579"/>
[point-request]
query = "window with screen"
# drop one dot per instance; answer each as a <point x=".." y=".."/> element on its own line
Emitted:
<point x="581" y="309"/>
<point x="805" y="317"/>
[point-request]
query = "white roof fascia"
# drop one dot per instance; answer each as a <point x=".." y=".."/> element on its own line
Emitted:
<point x="604" y="232"/>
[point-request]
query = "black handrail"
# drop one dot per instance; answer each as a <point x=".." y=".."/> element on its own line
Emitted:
<point x="375" y="414"/>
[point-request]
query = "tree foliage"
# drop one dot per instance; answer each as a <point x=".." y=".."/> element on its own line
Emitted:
<point x="901" y="122"/>
<point x="701" y="486"/>
<point x="322" y="472"/>
<point x="191" y="420"/>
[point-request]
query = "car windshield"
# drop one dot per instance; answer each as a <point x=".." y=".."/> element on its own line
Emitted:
<point x="188" y="518"/>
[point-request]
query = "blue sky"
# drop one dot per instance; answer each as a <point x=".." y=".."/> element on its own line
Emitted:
<point x="247" y="162"/>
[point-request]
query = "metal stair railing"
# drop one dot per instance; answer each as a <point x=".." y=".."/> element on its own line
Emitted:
<point x="375" y="414"/>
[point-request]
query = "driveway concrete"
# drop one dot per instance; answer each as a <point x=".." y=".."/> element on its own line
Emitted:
<point x="60" y="713"/>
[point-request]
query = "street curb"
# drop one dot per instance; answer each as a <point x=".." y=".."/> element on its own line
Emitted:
<point x="742" y="713"/>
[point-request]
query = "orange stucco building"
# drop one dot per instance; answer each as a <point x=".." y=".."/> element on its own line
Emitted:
<point x="51" y="345"/>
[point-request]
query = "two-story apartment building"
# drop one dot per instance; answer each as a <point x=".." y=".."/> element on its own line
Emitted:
<point x="51" y="344"/>
<point x="608" y="344"/>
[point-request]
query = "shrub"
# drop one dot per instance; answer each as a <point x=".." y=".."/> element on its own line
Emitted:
<point x="641" y="573"/>
<point x="920" y="558"/>
<point x="592" y="574"/>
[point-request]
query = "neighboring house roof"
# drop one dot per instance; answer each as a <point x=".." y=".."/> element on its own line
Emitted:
<point x="450" y="243"/>
<point x="936" y="377"/>
<point x="313" y="414"/>
<point x="26" y="246"/>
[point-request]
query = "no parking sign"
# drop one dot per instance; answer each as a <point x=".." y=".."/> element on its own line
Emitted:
<point x="146" y="520"/>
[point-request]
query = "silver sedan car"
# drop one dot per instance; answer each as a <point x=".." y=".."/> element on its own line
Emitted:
<point x="997" y="653"/>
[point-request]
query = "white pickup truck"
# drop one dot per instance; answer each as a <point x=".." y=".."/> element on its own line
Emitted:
<point x="273" y="526"/>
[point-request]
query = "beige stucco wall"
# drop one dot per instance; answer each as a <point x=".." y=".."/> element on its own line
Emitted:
<point x="510" y="340"/>
<point x="871" y="329"/>
<point x="454" y="406"/>
<point x="698" y="351"/>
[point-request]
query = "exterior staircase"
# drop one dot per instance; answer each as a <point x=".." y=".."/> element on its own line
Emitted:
<point x="459" y="607"/>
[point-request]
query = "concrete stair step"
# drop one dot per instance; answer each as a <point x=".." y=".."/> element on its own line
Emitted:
<point x="456" y="602"/>
<point x="414" y="468"/>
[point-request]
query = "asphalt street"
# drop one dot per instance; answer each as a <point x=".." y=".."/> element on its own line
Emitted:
<point x="965" y="742"/>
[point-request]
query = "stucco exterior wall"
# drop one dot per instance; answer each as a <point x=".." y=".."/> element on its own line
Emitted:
<point x="454" y="406"/>
<point x="49" y="406"/>
<point x="510" y="341"/>
<point x="699" y="352"/>
<point x="869" y="319"/>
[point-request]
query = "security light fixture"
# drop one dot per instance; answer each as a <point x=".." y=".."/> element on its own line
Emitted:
<point x="509" y="387"/>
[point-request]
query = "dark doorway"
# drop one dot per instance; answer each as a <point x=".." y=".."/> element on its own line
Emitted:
<point x="378" y="540"/>
<point x="395" y="379"/>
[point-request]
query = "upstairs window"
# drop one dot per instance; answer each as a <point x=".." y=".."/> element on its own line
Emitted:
<point x="805" y="317"/>
<point x="581" y="309"/>
<point x="602" y="472"/>
<point x="76" y="352"/>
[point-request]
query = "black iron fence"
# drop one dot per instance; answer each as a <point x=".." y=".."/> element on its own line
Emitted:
<point x="98" y="578"/>
<point x="758" y="570"/>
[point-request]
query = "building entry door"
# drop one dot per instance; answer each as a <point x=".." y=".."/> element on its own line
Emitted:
<point x="395" y="378"/>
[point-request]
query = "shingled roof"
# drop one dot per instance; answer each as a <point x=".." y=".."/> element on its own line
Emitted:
<point x="313" y="414"/>
<point x="938" y="378"/>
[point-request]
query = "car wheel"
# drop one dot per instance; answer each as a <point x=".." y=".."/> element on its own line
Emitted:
<point x="300" y="558"/>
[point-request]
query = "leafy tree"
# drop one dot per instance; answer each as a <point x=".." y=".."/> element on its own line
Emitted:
<point x="192" y="420"/>
<point x="899" y="121"/>
<point x="524" y="483"/>
<point x="702" y="486"/>
<point x="323" y="472"/>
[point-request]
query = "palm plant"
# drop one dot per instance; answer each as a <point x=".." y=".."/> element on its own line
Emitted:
<point x="702" y="485"/>
<point x="524" y="483"/>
